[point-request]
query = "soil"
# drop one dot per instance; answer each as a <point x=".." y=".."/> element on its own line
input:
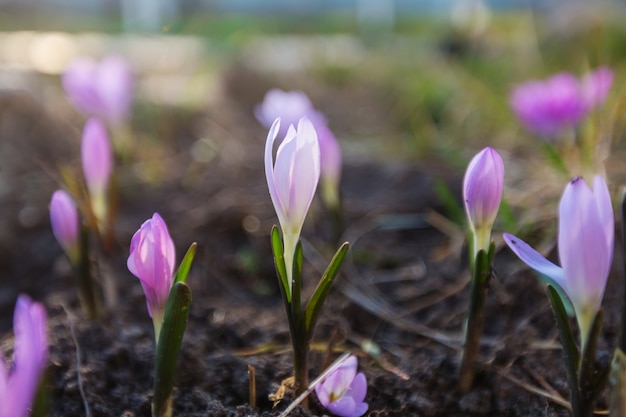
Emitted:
<point x="399" y="303"/>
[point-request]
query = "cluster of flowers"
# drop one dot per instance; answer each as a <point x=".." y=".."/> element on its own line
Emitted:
<point x="307" y="154"/>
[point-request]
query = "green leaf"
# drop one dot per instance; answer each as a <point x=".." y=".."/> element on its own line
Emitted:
<point x="185" y="265"/>
<point x="279" y="263"/>
<point x="446" y="197"/>
<point x="168" y="347"/>
<point x="316" y="301"/>
<point x="554" y="158"/>
<point x="570" y="351"/>
<point x="617" y="380"/>
<point x="296" y="290"/>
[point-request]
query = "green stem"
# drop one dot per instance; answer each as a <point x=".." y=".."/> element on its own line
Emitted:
<point x="475" y="320"/>
<point x="86" y="288"/>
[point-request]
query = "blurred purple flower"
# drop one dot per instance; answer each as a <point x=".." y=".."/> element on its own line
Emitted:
<point x="152" y="258"/>
<point x="482" y="193"/>
<point x="342" y="392"/>
<point x="102" y="89"/>
<point x="65" y="223"/>
<point x="586" y="232"/>
<point x="97" y="160"/>
<point x="546" y="107"/>
<point x="290" y="107"/>
<point x="19" y="384"/>
<point x="292" y="180"/>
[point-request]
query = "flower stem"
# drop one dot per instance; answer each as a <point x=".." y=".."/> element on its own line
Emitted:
<point x="476" y="317"/>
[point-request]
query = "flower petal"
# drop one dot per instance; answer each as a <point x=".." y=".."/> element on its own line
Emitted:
<point x="535" y="260"/>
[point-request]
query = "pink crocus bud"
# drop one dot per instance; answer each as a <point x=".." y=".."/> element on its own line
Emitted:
<point x="595" y="86"/>
<point x="152" y="258"/>
<point x="545" y="107"/>
<point x="292" y="180"/>
<point x="102" y="89"/>
<point x="97" y="160"/>
<point x="65" y="223"/>
<point x="19" y="383"/>
<point x="482" y="194"/>
<point x="290" y="106"/>
<point x="342" y="392"/>
<point x="586" y="233"/>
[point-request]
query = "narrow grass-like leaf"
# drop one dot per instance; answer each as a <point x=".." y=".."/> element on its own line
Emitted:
<point x="554" y="158"/>
<point x="617" y="380"/>
<point x="185" y="264"/>
<point x="296" y="290"/>
<point x="570" y="351"/>
<point x="451" y="205"/>
<point x="316" y="301"/>
<point x="279" y="263"/>
<point x="170" y="339"/>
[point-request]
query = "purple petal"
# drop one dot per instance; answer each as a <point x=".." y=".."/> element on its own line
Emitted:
<point x="64" y="221"/>
<point x="96" y="155"/>
<point x="152" y="259"/>
<point x="482" y="188"/>
<point x="289" y="106"/>
<point x="596" y="85"/>
<point x="343" y="407"/>
<point x="535" y="260"/>
<point x="358" y="387"/>
<point x="584" y="248"/>
<point x="115" y="87"/>
<point x="31" y="353"/>
<point x="78" y="82"/>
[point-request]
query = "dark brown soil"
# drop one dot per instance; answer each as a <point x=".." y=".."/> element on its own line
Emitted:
<point x="403" y="287"/>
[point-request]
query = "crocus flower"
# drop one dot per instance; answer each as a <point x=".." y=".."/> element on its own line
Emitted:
<point x="547" y="107"/>
<point x="152" y="258"/>
<point x="290" y="106"/>
<point x="585" y="248"/>
<point x="342" y="392"/>
<point x="100" y="89"/>
<point x="292" y="180"/>
<point x="97" y="160"/>
<point x="482" y="194"/>
<point x="65" y="223"/>
<point x="19" y="383"/>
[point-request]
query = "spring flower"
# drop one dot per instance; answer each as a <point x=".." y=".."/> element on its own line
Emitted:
<point x="290" y="106"/>
<point x="100" y="89"/>
<point x="342" y="392"/>
<point x="19" y="383"/>
<point x="65" y="223"/>
<point x="546" y="107"/>
<point x="152" y="258"/>
<point x="585" y="248"/>
<point x="292" y="180"/>
<point x="482" y="194"/>
<point x="97" y="160"/>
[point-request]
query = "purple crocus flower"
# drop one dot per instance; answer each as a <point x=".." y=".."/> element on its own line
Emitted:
<point x="290" y="107"/>
<point x="102" y="89"/>
<point x="97" y="160"/>
<point x="152" y="258"/>
<point x="586" y="232"/>
<point x="292" y="180"/>
<point x="19" y="383"/>
<point x="65" y="223"/>
<point x="342" y="392"/>
<point x="482" y="194"/>
<point x="546" y="107"/>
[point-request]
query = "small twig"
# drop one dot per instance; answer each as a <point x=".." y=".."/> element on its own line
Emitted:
<point x="313" y="384"/>
<point x="70" y="319"/>
<point x="252" y="381"/>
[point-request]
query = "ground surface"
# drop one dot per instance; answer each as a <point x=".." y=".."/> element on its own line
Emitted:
<point x="402" y="288"/>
